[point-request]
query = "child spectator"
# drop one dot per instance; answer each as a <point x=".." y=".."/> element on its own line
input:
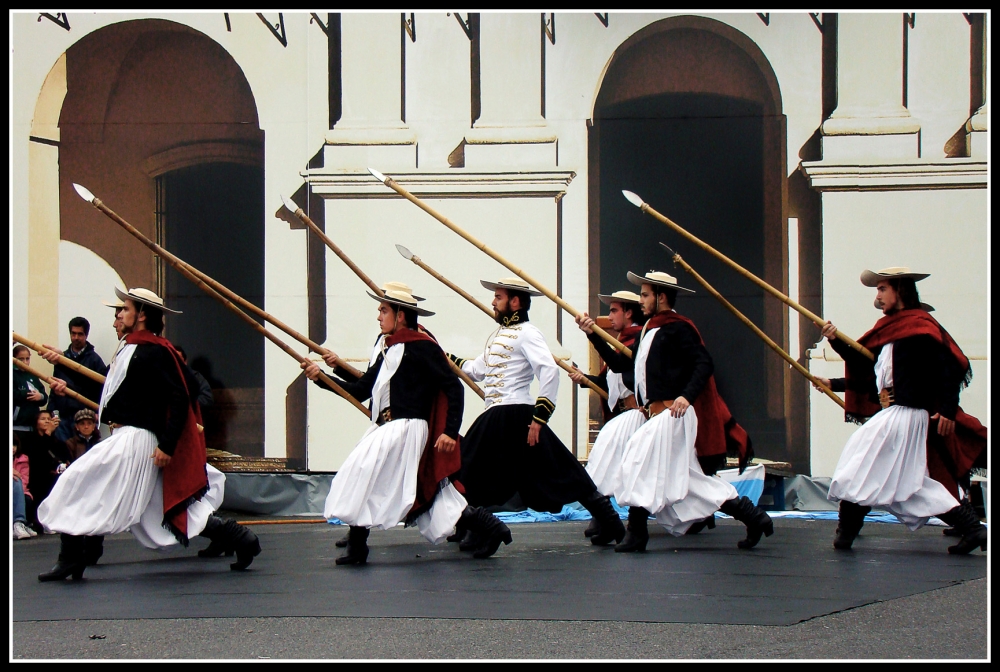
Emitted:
<point x="86" y="434"/>
<point x="22" y="501"/>
<point x="29" y="394"/>
<point x="47" y="456"/>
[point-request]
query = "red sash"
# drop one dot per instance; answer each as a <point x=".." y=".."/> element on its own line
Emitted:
<point x="718" y="431"/>
<point x="434" y="466"/>
<point x="185" y="479"/>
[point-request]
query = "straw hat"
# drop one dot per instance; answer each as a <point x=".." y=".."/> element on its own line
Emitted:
<point x="871" y="278"/>
<point x="116" y="303"/>
<point x="398" y="297"/>
<point x="144" y="296"/>
<point x="401" y="286"/>
<point x="619" y="297"/>
<point x="657" y="278"/>
<point x="515" y="284"/>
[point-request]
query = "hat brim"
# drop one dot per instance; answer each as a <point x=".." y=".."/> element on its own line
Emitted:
<point x="138" y="299"/>
<point x="871" y="278"/>
<point x="643" y="280"/>
<point x="419" y="311"/>
<point x="608" y="299"/>
<point x="114" y="304"/>
<point x="492" y="286"/>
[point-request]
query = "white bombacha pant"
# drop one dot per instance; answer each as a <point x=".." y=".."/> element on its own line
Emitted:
<point x="661" y="473"/>
<point x="884" y="464"/>
<point x="377" y="484"/>
<point x="605" y="461"/>
<point x="114" y="487"/>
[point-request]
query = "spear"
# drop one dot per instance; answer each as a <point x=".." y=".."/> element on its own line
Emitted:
<point x="48" y="380"/>
<point x="65" y="361"/>
<point x="301" y="214"/>
<point x="482" y="306"/>
<point x="637" y="201"/>
<point x="186" y="271"/>
<point x="678" y="260"/>
<point x="392" y="184"/>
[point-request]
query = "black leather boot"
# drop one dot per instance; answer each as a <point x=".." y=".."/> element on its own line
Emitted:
<point x="459" y="535"/>
<point x="700" y="525"/>
<point x="71" y="560"/>
<point x="93" y="549"/>
<point x="755" y="518"/>
<point x="342" y="542"/>
<point x="852" y="519"/>
<point x="966" y="522"/>
<point x="593" y="529"/>
<point x="469" y="542"/>
<point x="638" y="532"/>
<point x="611" y="527"/>
<point x="357" y="547"/>
<point x="954" y="531"/>
<point x="230" y="535"/>
<point x="487" y="528"/>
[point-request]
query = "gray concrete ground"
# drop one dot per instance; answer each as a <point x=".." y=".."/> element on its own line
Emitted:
<point x="899" y="595"/>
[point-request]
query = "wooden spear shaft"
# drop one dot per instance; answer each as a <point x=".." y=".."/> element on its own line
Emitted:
<point x="764" y="337"/>
<point x="392" y="184"/>
<point x="243" y="303"/>
<point x="482" y="306"/>
<point x="48" y="381"/>
<point x="65" y="361"/>
<point x="301" y="214"/>
<point x="183" y="269"/>
<point x="645" y="207"/>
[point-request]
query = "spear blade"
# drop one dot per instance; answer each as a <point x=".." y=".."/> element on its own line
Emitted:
<point x="84" y="192"/>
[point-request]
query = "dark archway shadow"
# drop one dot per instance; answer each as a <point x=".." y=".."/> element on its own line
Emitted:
<point x="691" y="120"/>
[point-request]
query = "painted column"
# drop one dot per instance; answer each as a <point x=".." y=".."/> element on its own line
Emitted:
<point x="870" y="121"/>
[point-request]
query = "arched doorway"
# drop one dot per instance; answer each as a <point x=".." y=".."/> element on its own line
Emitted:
<point x="159" y="121"/>
<point x="688" y="116"/>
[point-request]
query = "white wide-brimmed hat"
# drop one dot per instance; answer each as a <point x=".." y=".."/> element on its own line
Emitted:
<point x="871" y="278"/>
<point x="622" y="296"/>
<point x="658" y="278"/>
<point x="398" y="297"/>
<point x="400" y="286"/>
<point x="144" y="296"/>
<point x="515" y="284"/>
<point x="117" y="304"/>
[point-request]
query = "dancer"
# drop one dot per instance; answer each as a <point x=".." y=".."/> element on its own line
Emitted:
<point x="510" y="448"/>
<point x="622" y="414"/>
<point x="662" y="473"/>
<point x="149" y="477"/>
<point x="402" y="468"/>
<point x="917" y="444"/>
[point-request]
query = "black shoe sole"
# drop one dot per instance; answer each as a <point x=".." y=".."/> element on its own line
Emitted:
<point x="245" y="558"/>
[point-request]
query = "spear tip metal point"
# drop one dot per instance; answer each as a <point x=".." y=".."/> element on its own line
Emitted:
<point x="378" y="176"/>
<point x="289" y="203"/>
<point x="668" y="248"/>
<point x="633" y="198"/>
<point x="84" y="192"/>
<point x="405" y="252"/>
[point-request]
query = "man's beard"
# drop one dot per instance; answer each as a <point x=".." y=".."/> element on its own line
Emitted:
<point x="499" y="316"/>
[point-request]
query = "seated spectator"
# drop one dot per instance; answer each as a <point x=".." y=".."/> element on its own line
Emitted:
<point x="29" y="394"/>
<point x="83" y="353"/>
<point x="23" y="508"/>
<point x="47" y="456"/>
<point x="86" y="433"/>
<point x="204" y="388"/>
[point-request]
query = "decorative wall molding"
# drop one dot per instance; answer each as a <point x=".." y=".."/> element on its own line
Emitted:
<point x="456" y="184"/>
<point x="175" y="158"/>
<point x="960" y="173"/>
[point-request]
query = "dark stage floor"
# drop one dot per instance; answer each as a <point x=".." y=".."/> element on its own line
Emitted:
<point x="550" y="572"/>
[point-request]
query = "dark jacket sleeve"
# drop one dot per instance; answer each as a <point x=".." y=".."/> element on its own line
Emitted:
<point x="691" y="349"/>
<point x="360" y="389"/>
<point x="205" y="397"/>
<point x="444" y="376"/>
<point x="178" y="400"/>
<point x="601" y="380"/>
<point x="838" y="384"/>
<point x="618" y="362"/>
